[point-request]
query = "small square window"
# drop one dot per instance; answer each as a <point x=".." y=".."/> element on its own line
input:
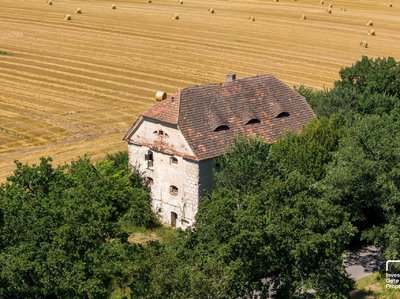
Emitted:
<point x="173" y="190"/>
<point x="173" y="160"/>
<point x="149" y="181"/>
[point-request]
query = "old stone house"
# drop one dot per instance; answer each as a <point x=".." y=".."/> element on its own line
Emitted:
<point x="175" y="142"/>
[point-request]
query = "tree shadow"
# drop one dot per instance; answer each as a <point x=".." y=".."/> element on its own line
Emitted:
<point x="368" y="257"/>
<point x="363" y="294"/>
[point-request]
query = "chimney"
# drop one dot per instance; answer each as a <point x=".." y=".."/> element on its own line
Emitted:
<point x="230" y="77"/>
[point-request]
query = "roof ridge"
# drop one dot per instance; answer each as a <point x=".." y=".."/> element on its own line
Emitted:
<point x="226" y="83"/>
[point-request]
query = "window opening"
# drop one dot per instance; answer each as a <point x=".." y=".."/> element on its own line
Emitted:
<point x="253" y="121"/>
<point x="282" y="115"/>
<point x="173" y="190"/>
<point x="149" y="181"/>
<point x="149" y="158"/>
<point x="221" y="128"/>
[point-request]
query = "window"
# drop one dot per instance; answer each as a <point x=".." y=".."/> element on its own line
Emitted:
<point x="221" y="128"/>
<point x="173" y="190"/>
<point x="149" y="181"/>
<point x="149" y="158"/>
<point x="253" y="121"/>
<point x="173" y="160"/>
<point x="282" y="115"/>
<point x="160" y="133"/>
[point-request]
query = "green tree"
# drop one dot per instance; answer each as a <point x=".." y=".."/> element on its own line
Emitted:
<point x="363" y="168"/>
<point x="370" y="86"/>
<point x="276" y="236"/>
<point x="310" y="151"/>
<point x="245" y="165"/>
<point x="372" y="76"/>
<point x="60" y="232"/>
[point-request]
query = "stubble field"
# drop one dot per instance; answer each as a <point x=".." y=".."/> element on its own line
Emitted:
<point x="73" y="87"/>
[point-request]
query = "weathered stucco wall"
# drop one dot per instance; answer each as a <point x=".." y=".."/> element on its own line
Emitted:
<point x="171" y="142"/>
<point x="184" y="174"/>
<point x="192" y="178"/>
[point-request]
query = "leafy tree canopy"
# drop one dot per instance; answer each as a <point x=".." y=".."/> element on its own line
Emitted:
<point x="60" y="230"/>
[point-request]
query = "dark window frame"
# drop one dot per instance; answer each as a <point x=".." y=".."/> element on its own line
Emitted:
<point x="173" y="160"/>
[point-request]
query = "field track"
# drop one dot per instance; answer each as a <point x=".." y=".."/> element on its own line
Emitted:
<point x="73" y="87"/>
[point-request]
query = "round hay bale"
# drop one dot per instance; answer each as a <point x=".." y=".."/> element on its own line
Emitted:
<point x="321" y="2"/>
<point x="251" y="18"/>
<point x="211" y="10"/>
<point x="344" y="9"/>
<point x="390" y="5"/>
<point x="175" y="17"/>
<point x="371" y="32"/>
<point x="329" y="10"/>
<point x="68" y="18"/>
<point x="50" y="3"/>
<point x="276" y="0"/>
<point x="303" y="17"/>
<point x="161" y="95"/>
<point x="149" y="1"/>
<point x="78" y="11"/>
<point x="370" y="23"/>
<point x="364" y="44"/>
<point x="113" y="6"/>
<point x="180" y="2"/>
<point x="330" y="5"/>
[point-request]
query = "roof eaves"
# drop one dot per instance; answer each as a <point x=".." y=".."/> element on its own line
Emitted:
<point x="132" y="129"/>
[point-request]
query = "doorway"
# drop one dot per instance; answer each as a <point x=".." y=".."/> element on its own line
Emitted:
<point x="174" y="216"/>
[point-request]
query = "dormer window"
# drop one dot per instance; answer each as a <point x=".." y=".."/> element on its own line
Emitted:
<point x="283" y="114"/>
<point x="173" y="190"/>
<point x="253" y="121"/>
<point x="221" y="128"/>
<point x="173" y="160"/>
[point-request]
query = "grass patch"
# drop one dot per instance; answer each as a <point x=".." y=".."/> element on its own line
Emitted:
<point x="373" y="286"/>
<point x="3" y="52"/>
<point x="120" y="293"/>
<point x="143" y="235"/>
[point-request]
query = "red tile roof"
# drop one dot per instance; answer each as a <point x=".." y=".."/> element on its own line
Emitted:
<point x="211" y="116"/>
<point x="166" y="111"/>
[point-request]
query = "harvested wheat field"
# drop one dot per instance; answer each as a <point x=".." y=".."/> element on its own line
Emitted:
<point x="74" y="86"/>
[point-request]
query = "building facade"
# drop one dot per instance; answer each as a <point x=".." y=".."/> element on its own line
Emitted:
<point x="174" y="143"/>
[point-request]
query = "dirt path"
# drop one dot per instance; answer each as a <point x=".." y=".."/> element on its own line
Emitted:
<point x="363" y="262"/>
